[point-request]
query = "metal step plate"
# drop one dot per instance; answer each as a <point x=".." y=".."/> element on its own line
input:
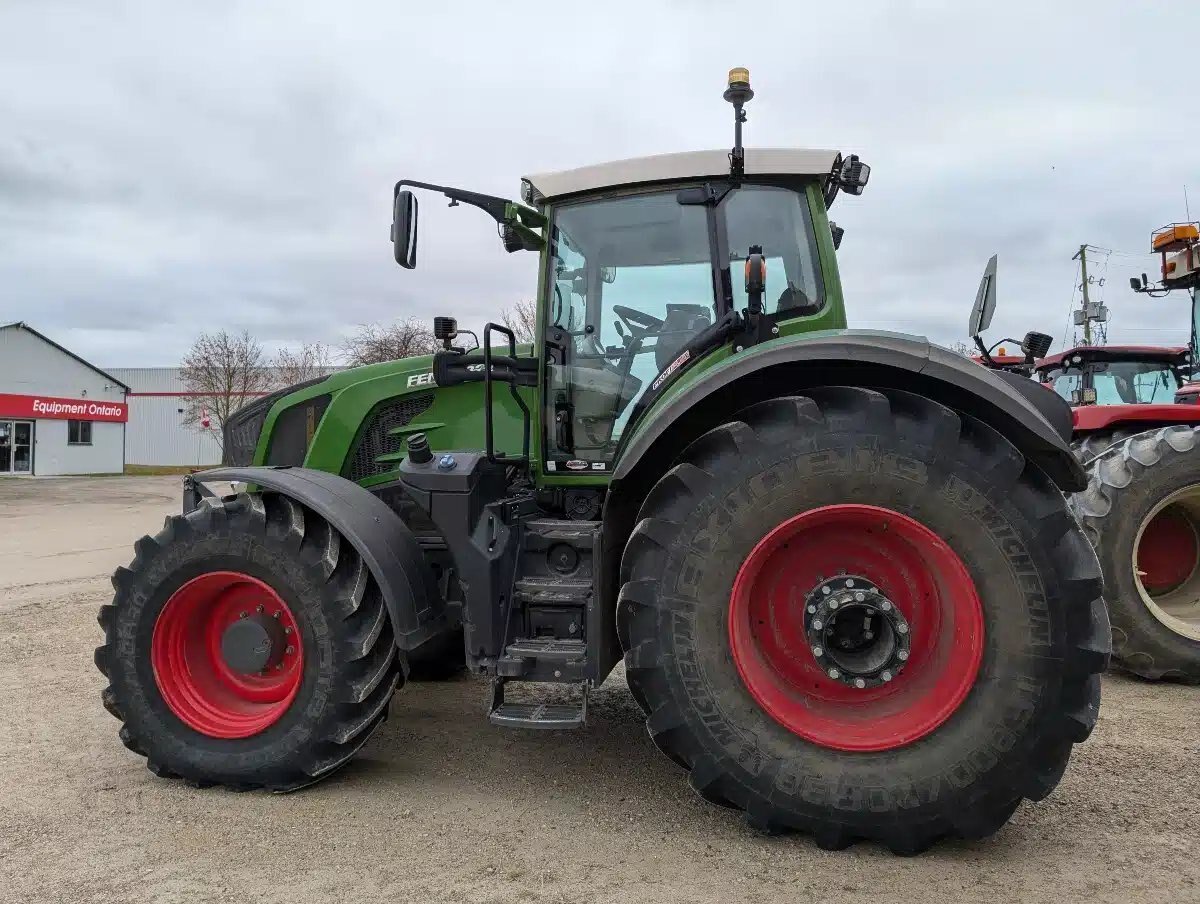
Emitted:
<point x="539" y="715"/>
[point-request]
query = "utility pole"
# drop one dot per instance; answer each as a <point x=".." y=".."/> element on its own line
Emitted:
<point x="1087" y="322"/>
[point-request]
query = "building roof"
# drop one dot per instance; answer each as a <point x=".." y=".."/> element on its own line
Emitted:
<point x="684" y="165"/>
<point x="1175" y="354"/>
<point x="21" y="325"/>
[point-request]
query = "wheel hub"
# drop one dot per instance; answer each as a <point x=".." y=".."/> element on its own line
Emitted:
<point x="253" y="644"/>
<point x="857" y="635"/>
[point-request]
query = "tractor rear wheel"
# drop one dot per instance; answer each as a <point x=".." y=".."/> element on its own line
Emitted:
<point x="1141" y="511"/>
<point x="247" y="645"/>
<point x="862" y="615"/>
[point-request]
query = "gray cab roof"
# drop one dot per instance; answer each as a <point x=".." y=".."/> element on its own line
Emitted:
<point x="684" y="165"/>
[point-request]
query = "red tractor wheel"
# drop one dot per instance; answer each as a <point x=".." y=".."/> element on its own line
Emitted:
<point x="856" y="627"/>
<point x="862" y="615"/>
<point x="247" y="645"/>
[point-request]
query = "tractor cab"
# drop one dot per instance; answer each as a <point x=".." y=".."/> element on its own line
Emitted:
<point x="649" y="265"/>
<point x="1116" y="374"/>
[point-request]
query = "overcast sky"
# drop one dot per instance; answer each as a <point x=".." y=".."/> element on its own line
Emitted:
<point x="170" y="168"/>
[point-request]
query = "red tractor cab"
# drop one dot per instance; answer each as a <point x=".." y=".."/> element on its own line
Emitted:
<point x="1125" y="388"/>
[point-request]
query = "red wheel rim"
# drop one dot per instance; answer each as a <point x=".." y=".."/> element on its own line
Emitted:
<point x="916" y="570"/>
<point x="1168" y="552"/>
<point x="192" y="675"/>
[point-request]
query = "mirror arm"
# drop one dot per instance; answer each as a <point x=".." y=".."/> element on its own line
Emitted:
<point x="984" y="351"/>
<point x="494" y="207"/>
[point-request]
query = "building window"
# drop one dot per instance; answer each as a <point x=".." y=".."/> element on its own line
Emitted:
<point x="79" y="433"/>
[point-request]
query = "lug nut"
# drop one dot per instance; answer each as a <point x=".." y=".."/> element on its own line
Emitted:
<point x="902" y="628"/>
<point x="858" y="682"/>
<point x="860" y="596"/>
<point x="903" y="654"/>
<point x="849" y="582"/>
<point x="262" y="608"/>
<point x="886" y="606"/>
<point x="241" y="615"/>
<point x="818" y="625"/>
<point x="287" y="630"/>
<point x="885" y="675"/>
<point x="812" y="609"/>
<point x="825" y="590"/>
<point x="277" y="613"/>
<point x="833" y="673"/>
<point x="833" y="604"/>
<point x="289" y="649"/>
<point x="818" y="652"/>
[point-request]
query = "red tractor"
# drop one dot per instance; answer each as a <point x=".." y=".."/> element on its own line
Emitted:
<point x="1141" y="509"/>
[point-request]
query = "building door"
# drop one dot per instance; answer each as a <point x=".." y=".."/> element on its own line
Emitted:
<point x="22" y="447"/>
<point x="16" y="447"/>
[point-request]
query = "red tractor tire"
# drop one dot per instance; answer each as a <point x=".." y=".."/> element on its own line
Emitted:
<point x="247" y="645"/>
<point x="862" y="615"/>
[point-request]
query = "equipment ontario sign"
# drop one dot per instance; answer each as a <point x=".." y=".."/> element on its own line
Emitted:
<point x="38" y="407"/>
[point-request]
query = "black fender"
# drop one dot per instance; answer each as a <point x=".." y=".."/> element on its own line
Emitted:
<point x="387" y="546"/>
<point x="1034" y="419"/>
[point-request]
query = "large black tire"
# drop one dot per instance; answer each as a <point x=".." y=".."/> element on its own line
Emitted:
<point x="1151" y="477"/>
<point x="345" y="680"/>
<point x="1037" y="689"/>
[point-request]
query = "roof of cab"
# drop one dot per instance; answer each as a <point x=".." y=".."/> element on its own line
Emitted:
<point x="1172" y="353"/>
<point x="683" y="165"/>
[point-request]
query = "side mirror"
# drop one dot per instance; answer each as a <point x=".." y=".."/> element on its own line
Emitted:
<point x="1135" y="284"/>
<point x="985" y="301"/>
<point x="404" y="229"/>
<point x="837" y="232"/>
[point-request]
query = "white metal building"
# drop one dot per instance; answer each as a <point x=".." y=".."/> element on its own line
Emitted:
<point x="157" y="432"/>
<point x="58" y="413"/>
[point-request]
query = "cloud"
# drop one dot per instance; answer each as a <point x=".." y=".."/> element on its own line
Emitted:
<point x="168" y="168"/>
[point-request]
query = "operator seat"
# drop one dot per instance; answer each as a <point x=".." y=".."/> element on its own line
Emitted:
<point x="683" y="321"/>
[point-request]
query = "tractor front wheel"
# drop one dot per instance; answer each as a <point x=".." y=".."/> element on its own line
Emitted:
<point x="247" y="645"/>
<point x="1141" y="511"/>
<point x="862" y="615"/>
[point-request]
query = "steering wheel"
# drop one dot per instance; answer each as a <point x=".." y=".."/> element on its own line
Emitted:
<point x="637" y="321"/>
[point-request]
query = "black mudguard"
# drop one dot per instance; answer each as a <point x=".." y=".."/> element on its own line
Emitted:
<point x="387" y="546"/>
<point x="1035" y="420"/>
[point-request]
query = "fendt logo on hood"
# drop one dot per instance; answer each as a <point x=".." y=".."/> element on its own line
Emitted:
<point x="426" y="379"/>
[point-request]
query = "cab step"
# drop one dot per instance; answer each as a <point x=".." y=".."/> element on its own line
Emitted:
<point x="537" y="715"/>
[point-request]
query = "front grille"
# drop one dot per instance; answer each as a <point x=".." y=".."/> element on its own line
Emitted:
<point x="293" y="431"/>
<point x="241" y="431"/>
<point x="375" y="439"/>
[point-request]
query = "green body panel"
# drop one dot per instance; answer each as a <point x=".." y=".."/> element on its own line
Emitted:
<point x="455" y="419"/>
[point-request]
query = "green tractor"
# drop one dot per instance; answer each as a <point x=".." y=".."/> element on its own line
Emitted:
<point x="838" y="565"/>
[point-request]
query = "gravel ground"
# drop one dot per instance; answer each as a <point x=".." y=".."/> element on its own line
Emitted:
<point x="442" y="807"/>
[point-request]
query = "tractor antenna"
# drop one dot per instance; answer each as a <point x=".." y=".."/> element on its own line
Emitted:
<point x="738" y="92"/>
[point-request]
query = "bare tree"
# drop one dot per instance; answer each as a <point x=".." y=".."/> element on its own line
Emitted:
<point x="375" y="342"/>
<point x="521" y="318"/>
<point x="962" y="348"/>
<point x="221" y="373"/>
<point x="312" y="361"/>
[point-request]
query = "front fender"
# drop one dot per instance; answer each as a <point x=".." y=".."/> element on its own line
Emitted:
<point x="387" y="546"/>
<point x="1038" y="425"/>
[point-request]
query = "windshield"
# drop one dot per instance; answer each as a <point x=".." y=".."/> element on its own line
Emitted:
<point x="1118" y="382"/>
<point x="631" y="282"/>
